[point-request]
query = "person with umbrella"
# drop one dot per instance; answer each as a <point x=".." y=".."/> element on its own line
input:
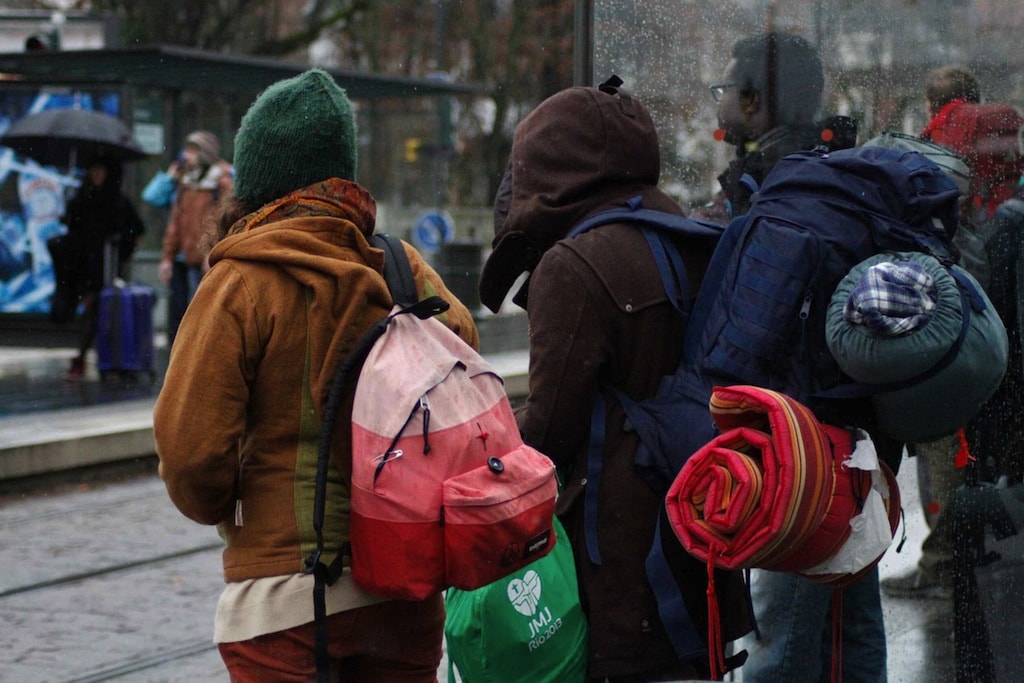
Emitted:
<point x="66" y="137"/>
<point x="98" y="214"/>
<point x="70" y="139"/>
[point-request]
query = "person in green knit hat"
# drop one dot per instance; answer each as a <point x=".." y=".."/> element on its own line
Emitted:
<point x="293" y="284"/>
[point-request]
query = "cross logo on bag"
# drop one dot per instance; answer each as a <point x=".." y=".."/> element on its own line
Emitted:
<point x="524" y="593"/>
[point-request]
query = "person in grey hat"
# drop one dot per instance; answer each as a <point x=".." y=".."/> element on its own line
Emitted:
<point x="194" y="183"/>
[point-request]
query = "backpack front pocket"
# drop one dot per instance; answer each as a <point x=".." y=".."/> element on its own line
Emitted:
<point x="497" y="517"/>
<point x="774" y="288"/>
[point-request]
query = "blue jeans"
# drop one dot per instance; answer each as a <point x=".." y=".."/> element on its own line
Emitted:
<point x="794" y="616"/>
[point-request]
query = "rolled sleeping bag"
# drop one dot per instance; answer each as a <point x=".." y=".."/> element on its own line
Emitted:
<point x="922" y="337"/>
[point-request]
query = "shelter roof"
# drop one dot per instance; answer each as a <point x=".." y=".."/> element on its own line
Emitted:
<point x="178" y="68"/>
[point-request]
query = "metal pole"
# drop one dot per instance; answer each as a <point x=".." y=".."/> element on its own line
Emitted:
<point x="818" y="26"/>
<point x="583" y="43"/>
<point x="444" y="132"/>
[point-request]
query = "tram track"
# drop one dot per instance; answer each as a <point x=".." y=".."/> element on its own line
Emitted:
<point x="102" y="571"/>
<point x="84" y="508"/>
<point x="117" y="584"/>
<point x="121" y="527"/>
<point x="130" y="665"/>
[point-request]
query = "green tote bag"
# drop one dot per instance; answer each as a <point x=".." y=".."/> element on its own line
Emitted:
<point x="527" y="627"/>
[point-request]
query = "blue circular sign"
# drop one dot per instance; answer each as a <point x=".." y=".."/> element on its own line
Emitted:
<point x="432" y="229"/>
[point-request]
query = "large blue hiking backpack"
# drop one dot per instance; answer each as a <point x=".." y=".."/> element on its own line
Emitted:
<point x="759" y="317"/>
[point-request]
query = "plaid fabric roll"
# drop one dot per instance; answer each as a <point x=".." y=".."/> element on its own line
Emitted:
<point x="892" y="298"/>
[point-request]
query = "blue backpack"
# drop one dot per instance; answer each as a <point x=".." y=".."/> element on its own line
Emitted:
<point x="651" y="460"/>
<point x="759" y="317"/>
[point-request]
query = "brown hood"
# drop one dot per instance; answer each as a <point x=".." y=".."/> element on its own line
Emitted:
<point x="579" y="151"/>
<point x="317" y="236"/>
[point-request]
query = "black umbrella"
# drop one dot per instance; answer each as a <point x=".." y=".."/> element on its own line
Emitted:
<point x="59" y="137"/>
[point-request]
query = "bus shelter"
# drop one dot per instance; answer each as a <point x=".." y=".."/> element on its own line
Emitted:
<point x="162" y="93"/>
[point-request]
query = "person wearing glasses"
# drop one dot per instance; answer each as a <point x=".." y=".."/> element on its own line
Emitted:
<point x="768" y="102"/>
<point x="768" y="99"/>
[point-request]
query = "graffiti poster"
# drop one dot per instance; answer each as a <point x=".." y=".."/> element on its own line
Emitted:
<point x="32" y="200"/>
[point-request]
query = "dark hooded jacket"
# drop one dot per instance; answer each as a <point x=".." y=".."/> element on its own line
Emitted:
<point x="94" y="216"/>
<point x="599" y="317"/>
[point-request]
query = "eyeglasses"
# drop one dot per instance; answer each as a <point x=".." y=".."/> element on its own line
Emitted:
<point x="718" y="91"/>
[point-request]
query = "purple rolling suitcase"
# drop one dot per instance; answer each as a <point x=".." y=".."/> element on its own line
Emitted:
<point x="124" y="335"/>
<point x="124" y="323"/>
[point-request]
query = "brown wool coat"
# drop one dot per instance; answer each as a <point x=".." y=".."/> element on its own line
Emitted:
<point x="599" y="316"/>
<point x="289" y="293"/>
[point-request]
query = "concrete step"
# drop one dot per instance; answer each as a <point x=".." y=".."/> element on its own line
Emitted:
<point x="55" y="440"/>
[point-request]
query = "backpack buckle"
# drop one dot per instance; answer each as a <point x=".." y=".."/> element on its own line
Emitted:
<point x="312" y="562"/>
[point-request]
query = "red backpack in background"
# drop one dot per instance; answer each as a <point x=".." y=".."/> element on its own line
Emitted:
<point x="987" y="136"/>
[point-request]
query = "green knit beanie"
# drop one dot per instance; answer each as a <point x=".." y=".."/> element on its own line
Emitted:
<point x="297" y="132"/>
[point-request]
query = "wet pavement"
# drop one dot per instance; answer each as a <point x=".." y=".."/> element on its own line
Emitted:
<point x="107" y="581"/>
<point x="31" y="381"/>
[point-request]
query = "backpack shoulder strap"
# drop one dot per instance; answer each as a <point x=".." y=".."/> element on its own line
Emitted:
<point x="633" y="212"/>
<point x="658" y="227"/>
<point x="402" y="285"/>
<point x="397" y="271"/>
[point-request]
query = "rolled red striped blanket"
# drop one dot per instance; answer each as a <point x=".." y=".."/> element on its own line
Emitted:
<point x="777" y="489"/>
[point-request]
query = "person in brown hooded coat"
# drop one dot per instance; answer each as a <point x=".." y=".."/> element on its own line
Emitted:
<point x="293" y="285"/>
<point x="599" y="317"/>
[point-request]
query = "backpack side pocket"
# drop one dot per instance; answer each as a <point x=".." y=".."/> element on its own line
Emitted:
<point x="765" y="309"/>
